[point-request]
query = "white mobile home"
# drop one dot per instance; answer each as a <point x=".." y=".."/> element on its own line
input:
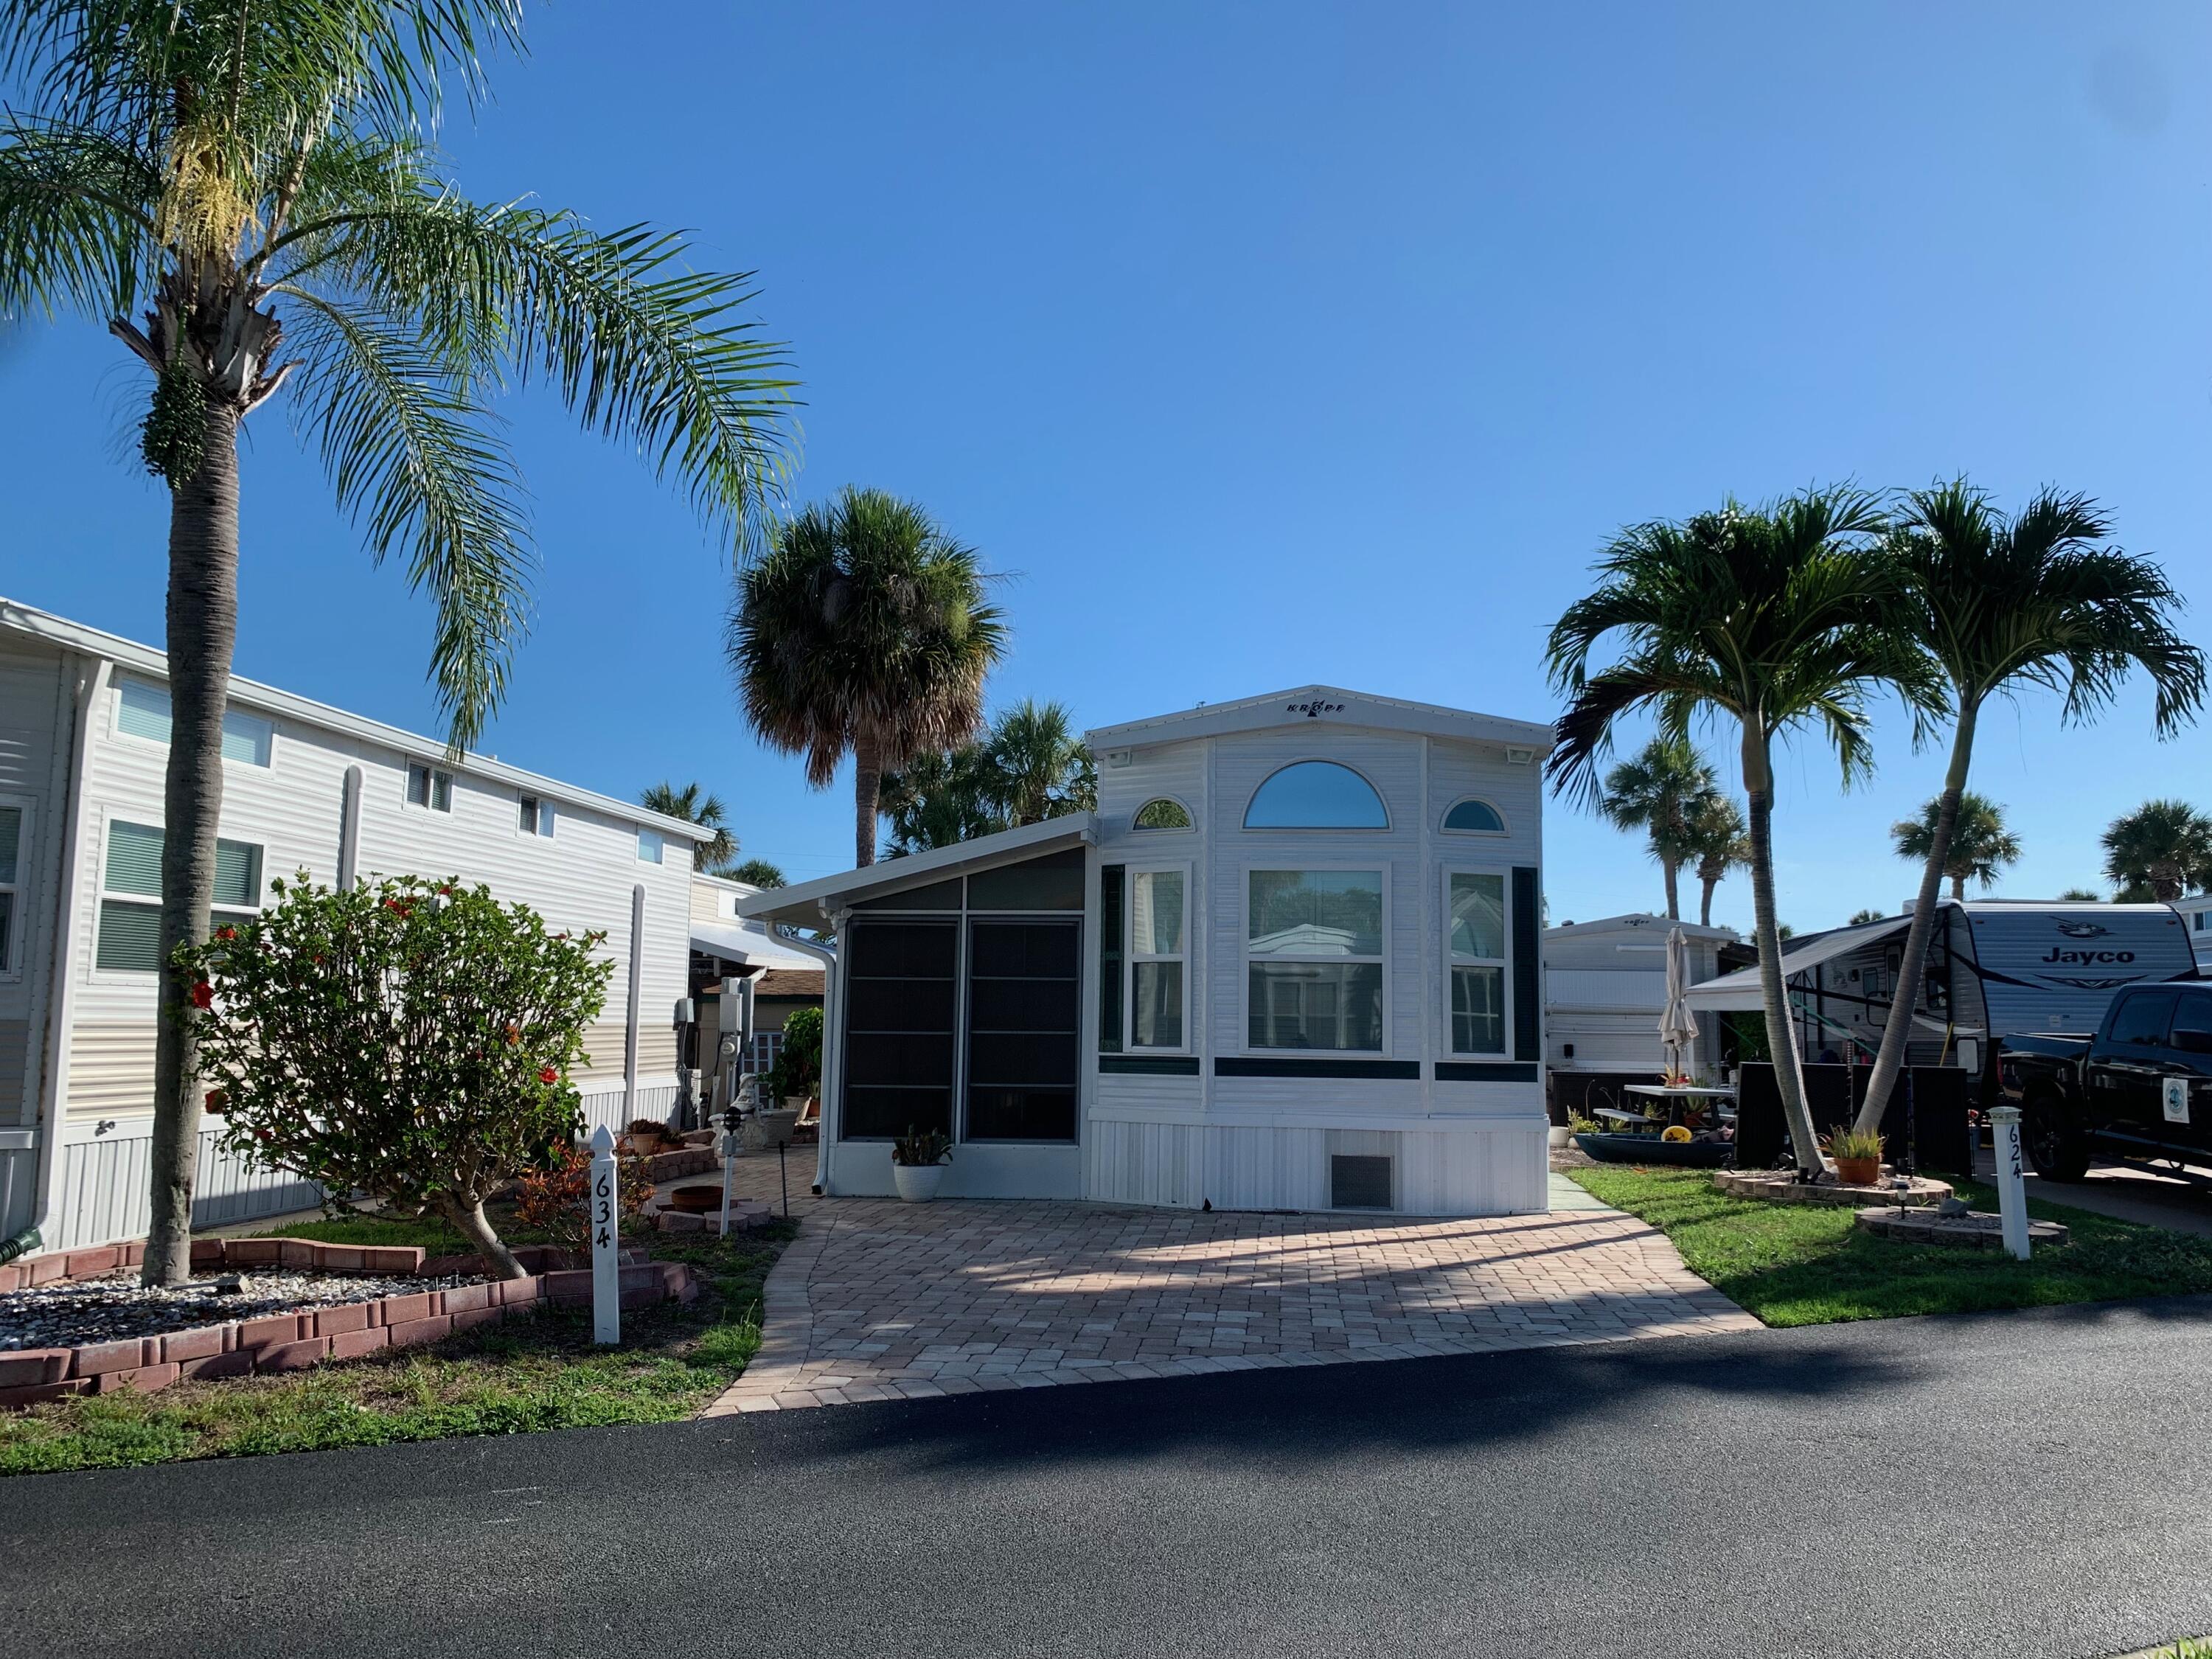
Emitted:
<point x="84" y="743"/>
<point x="1292" y="961"/>
<point x="1605" y="987"/>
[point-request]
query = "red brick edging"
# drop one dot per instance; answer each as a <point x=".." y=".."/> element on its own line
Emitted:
<point x="289" y="1342"/>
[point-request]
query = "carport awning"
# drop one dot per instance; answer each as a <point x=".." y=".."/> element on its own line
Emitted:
<point x="1739" y="991"/>
<point x="744" y="946"/>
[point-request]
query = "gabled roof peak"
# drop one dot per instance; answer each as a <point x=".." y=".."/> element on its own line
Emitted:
<point x="1317" y="704"/>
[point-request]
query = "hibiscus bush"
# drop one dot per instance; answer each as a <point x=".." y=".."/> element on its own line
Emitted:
<point x="409" y="1039"/>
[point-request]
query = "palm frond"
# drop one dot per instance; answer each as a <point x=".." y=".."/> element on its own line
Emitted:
<point x="410" y="460"/>
<point x="76" y="212"/>
<point x="641" y="349"/>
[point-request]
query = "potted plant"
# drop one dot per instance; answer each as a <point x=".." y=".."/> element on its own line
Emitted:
<point x="918" y="1161"/>
<point x="644" y="1136"/>
<point x="798" y="1067"/>
<point x="1857" y="1153"/>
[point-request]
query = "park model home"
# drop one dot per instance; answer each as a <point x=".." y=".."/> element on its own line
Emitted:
<point x="84" y="723"/>
<point x="1290" y="963"/>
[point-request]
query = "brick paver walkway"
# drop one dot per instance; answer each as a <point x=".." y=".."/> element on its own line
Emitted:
<point x="880" y="1300"/>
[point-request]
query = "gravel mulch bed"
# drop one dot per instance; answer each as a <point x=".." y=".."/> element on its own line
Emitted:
<point x="109" y="1308"/>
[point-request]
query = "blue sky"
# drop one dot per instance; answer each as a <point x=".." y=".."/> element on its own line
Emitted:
<point x="1265" y="344"/>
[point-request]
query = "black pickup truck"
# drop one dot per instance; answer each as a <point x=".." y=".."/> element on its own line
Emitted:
<point x="2140" y="1089"/>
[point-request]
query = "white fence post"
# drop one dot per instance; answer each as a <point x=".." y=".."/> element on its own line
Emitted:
<point x="606" y="1240"/>
<point x="2012" y="1192"/>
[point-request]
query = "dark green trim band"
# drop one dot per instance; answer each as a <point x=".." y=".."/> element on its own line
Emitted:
<point x="1489" y="1070"/>
<point x="1149" y="1065"/>
<point x="1338" y="1068"/>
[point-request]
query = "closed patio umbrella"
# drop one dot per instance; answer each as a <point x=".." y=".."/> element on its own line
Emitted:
<point x="1678" y="1027"/>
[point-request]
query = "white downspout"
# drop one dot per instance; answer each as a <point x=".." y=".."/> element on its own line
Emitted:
<point x="61" y="1002"/>
<point x="833" y="1047"/>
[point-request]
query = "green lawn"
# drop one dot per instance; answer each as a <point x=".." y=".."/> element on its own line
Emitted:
<point x="1793" y="1264"/>
<point x="511" y="1377"/>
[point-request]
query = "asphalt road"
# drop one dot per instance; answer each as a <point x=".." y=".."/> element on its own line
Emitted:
<point x="2010" y="1486"/>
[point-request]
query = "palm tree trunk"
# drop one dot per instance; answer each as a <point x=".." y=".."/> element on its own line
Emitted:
<point x="867" y="792"/>
<point x="1781" y="1032"/>
<point x="1705" y="900"/>
<point x="203" y="627"/>
<point x="1959" y="888"/>
<point x="1674" y="869"/>
<point x="1889" y="1060"/>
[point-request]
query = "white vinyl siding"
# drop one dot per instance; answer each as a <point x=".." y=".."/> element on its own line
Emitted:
<point x="131" y="894"/>
<point x="142" y="710"/>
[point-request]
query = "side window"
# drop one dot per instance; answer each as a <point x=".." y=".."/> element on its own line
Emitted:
<point x="2193" y="1012"/>
<point x="2142" y="1017"/>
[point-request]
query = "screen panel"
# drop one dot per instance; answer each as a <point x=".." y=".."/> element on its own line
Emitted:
<point x="900" y="1023"/>
<point x="1024" y="1029"/>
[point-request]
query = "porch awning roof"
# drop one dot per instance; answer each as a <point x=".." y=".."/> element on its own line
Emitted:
<point x="1739" y="991"/>
<point x="807" y="903"/>
<point x="744" y="946"/>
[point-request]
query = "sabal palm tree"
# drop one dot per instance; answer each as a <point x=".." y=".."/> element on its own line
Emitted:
<point x="1040" y="768"/>
<point x="1981" y="846"/>
<point x="1716" y="840"/>
<point x="2082" y="895"/>
<point x="694" y="805"/>
<point x="2160" y="851"/>
<point x="243" y="194"/>
<point x="755" y="872"/>
<point x="865" y="631"/>
<point x="941" y="797"/>
<point x="1994" y="603"/>
<point x="1656" y="791"/>
<point x="1772" y="616"/>
<point x="1860" y="918"/>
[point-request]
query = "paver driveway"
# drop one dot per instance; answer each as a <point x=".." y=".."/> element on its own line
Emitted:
<point x="879" y="1300"/>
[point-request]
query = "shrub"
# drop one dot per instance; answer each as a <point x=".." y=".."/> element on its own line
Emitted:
<point x="554" y="1201"/>
<point x="412" y="1040"/>
<point x="798" y="1068"/>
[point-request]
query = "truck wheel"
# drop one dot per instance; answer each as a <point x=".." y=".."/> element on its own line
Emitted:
<point x="2054" y="1146"/>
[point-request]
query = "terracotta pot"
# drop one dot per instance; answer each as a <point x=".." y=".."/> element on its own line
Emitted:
<point x="701" y="1200"/>
<point x="1859" y="1171"/>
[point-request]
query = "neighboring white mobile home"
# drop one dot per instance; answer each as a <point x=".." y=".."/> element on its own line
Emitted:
<point x="1605" y="987"/>
<point x="84" y="743"/>
<point x="1292" y="961"/>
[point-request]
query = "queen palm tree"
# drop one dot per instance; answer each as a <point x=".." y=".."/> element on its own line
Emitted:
<point x="243" y="192"/>
<point x="1772" y="616"/>
<point x="1981" y="846"/>
<point x="1993" y="603"/>
<point x="694" y="805"/>
<point x="1716" y="840"/>
<point x="865" y="631"/>
<point x="1654" y="791"/>
<point x="2159" y="851"/>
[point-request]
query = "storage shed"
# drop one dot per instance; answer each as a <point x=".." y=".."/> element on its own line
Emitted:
<point x="1292" y="961"/>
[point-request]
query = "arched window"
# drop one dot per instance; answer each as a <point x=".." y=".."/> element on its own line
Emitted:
<point x="1162" y="813"/>
<point x="1316" y="795"/>
<point x="1475" y="817"/>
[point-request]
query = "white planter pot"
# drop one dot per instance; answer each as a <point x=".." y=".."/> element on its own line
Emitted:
<point x="1560" y="1135"/>
<point x="918" y="1184"/>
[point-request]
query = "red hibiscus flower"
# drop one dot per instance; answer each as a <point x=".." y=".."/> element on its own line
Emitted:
<point x="547" y="1075"/>
<point x="226" y="932"/>
<point x="203" y="995"/>
<point x="216" y="1100"/>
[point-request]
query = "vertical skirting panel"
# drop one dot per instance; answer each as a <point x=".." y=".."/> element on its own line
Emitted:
<point x="19" y="1189"/>
<point x="102" y="1190"/>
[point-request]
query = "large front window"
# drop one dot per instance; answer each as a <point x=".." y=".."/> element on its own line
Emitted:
<point x="131" y="895"/>
<point x="1476" y="930"/>
<point x="1156" y="958"/>
<point x="1313" y="948"/>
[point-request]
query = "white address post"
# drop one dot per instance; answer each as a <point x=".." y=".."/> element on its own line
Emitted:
<point x="2012" y="1192"/>
<point x="607" y="1240"/>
